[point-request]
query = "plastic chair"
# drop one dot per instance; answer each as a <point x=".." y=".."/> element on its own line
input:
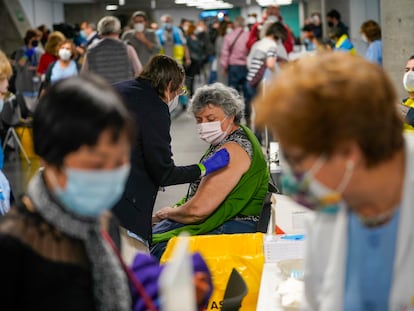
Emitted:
<point x="11" y="117"/>
<point x="236" y="290"/>
<point x="265" y="214"/>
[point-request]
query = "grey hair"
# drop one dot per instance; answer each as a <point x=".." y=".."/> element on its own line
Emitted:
<point x="91" y="25"/>
<point x="141" y="14"/>
<point x="109" y="25"/>
<point x="219" y="95"/>
<point x="164" y="17"/>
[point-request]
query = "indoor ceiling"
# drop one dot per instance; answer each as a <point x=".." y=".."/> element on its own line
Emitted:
<point x="157" y="4"/>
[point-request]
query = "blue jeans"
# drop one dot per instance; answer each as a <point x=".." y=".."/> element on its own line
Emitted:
<point x="237" y="79"/>
<point x="229" y="227"/>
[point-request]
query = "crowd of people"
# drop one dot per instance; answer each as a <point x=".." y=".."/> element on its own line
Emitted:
<point x="102" y="131"/>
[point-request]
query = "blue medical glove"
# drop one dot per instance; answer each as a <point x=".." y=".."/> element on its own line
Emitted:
<point x="217" y="161"/>
<point x="29" y="53"/>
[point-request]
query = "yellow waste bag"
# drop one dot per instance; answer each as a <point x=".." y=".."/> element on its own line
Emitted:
<point x="223" y="252"/>
<point x="26" y="138"/>
<point x="408" y="128"/>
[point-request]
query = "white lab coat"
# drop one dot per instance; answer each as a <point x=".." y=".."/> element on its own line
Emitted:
<point x="325" y="257"/>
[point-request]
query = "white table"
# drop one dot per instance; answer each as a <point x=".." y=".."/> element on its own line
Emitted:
<point x="268" y="299"/>
<point x="289" y="217"/>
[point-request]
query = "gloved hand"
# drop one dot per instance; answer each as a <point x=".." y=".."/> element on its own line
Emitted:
<point x="217" y="161"/>
<point x="29" y="53"/>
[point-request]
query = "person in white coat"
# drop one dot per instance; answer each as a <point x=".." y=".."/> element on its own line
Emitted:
<point x="345" y="156"/>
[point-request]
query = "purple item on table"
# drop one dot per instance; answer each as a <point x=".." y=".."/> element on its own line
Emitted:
<point x="147" y="270"/>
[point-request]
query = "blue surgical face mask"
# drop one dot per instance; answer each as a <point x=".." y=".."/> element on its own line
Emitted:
<point x="306" y="190"/>
<point x="83" y="34"/>
<point x="91" y="192"/>
<point x="167" y="25"/>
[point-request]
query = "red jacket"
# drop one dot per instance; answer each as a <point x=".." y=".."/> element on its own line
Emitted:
<point x="254" y="36"/>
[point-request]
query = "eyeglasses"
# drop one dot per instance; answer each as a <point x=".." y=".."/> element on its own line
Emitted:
<point x="182" y="91"/>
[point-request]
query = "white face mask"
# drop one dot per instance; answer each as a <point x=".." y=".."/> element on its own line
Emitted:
<point x="172" y="104"/>
<point x="251" y="20"/>
<point x="408" y="81"/>
<point x="364" y="38"/>
<point x="64" y="54"/>
<point x="229" y="30"/>
<point x="272" y="19"/>
<point x="139" y="27"/>
<point x="211" y="132"/>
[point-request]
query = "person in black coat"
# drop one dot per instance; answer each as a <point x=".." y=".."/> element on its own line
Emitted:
<point x="150" y="98"/>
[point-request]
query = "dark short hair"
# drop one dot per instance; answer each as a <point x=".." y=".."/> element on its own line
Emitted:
<point x="335" y="32"/>
<point x="307" y="28"/>
<point x="30" y="34"/>
<point x="74" y="112"/>
<point x="161" y="70"/>
<point x="334" y="14"/>
<point x="277" y="30"/>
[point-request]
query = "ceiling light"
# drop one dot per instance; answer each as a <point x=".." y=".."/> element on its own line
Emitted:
<point x="111" y="7"/>
<point x="121" y="2"/>
<point x="192" y="3"/>
<point x="215" y="5"/>
<point x="273" y="2"/>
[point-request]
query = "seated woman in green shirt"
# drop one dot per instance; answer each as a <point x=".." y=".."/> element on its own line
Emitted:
<point x="229" y="200"/>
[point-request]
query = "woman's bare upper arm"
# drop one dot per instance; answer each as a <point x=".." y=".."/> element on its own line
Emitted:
<point x="214" y="188"/>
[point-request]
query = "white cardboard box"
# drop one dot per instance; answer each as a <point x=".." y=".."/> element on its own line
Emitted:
<point x="289" y="217"/>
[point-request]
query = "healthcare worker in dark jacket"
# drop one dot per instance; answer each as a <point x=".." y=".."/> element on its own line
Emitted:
<point x="150" y="98"/>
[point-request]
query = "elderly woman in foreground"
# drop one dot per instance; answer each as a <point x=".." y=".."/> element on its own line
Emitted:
<point x="346" y="157"/>
<point x="229" y="200"/>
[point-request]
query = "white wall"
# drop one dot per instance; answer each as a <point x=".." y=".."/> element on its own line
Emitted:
<point x="359" y="12"/>
<point x="43" y="12"/>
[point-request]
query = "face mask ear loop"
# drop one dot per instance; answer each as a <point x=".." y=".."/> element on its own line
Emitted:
<point x="316" y="166"/>
<point x="349" y="169"/>
<point x="227" y="129"/>
<point x="53" y="180"/>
